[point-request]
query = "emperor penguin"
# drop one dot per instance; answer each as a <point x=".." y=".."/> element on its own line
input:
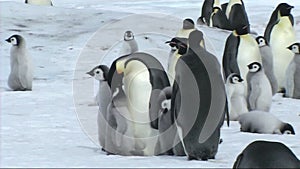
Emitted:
<point x="197" y="104"/>
<point x="235" y="90"/>
<point x="103" y="99"/>
<point x="218" y="19"/>
<point x="206" y="11"/>
<point x="240" y="50"/>
<point x="21" y="68"/>
<point x="280" y="33"/>
<point x="267" y="61"/>
<point x="259" y="95"/>
<point x="266" y="154"/>
<point x="144" y="78"/>
<point x="264" y="123"/>
<point x="129" y="45"/>
<point x="292" y="73"/>
<point x="188" y="26"/>
<point x="39" y="2"/>
<point x="236" y="14"/>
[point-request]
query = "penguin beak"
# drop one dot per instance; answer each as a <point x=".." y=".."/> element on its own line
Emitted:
<point x="90" y="73"/>
<point x="8" y="40"/>
<point x="290" y="47"/>
<point x="290" y="7"/>
<point x="168" y="42"/>
<point x="241" y="80"/>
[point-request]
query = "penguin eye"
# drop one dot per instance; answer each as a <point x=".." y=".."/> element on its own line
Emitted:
<point x="287" y="132"/>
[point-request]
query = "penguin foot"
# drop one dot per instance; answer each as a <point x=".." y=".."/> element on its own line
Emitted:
<point x="221" y="141"/>
<point x="190" y="158"/>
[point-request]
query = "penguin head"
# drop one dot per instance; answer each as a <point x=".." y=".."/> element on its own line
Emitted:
<point x="284" y="9"/>
<point x="235" y="78"/>
<point x="254" y="67"/>
<point x="261" y="41"/>
<point x="177" y="43"/>
<point x="128" y="35"/>
<point x="15" y="40"/>
<point x="287" y="129"/>
<point x="173" y="43"/>
<point x="242" y="29"/>
<point x="195" y="38"/>
<point x="99" y="72"/>
<point x="182" y="49"/>
<point x="188" y="24"/>
<point x="295" y="48"/>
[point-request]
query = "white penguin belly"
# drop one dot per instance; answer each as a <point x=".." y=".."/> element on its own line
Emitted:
<point x="248" y="52"/>
<point x="282" y="36"/>
<point x="40" y="2"/>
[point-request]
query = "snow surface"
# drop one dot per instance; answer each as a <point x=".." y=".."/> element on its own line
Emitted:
<point x="53" y="126"/>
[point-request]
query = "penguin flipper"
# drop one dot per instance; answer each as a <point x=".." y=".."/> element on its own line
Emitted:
<point x="230" y="64"/>
<point x="269" y="28"/>
<point x="290" y="80"/>
<point x="291" y="19"/>
<point x="253" y="95"/>
<point x="238" y="161"/>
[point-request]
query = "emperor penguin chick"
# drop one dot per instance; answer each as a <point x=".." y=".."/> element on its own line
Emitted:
<point x="259" y="88"/>
<point x="129" y="45"/>
<point x="235" y="90"/>
<point x="293" y="73"/>
<point x="21" y="68"/>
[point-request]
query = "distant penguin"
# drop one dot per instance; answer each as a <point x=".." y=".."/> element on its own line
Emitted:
<point x="265" y="154"/>
<point x="259" y="95"/>
<point x="103" y="99"/>
<point x="188" y="26"/>
<point x="21" y="68"/>
<point x="280" y="33"/>
<point x="267" y="61"/>
<point x="206" y="11"/>
<point x="39" y="2"/>
<point x="236" y="14"/>
<point x="235" y="90"/>
<point x="197" y="104"/>
<point x="263" y="123"/>
<point x="218" y="19"/>
<point x="241" y="49"/>
<point x="129" y="45"/>
<point x="144" y="78"/>
<point x="293" y="73"/>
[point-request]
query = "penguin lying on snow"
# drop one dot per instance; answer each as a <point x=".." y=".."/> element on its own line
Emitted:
<point x="265" y="154"/>
<point x="197" y="105"/>
<point x="293" y="73"/>
<point x="21" y="68"/>
<point x="264" y="123"/>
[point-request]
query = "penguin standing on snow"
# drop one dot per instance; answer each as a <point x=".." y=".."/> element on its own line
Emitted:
<point x="267" y="61"/>
<point x="103" y="99"/>
<point x="264" y="123"/>
<point x="241" y="50"/>
<point x="21" y="68"/>
<point x="39" y="2"/>
<point x="144" y="78"/>
<point x="259" y="94"/>
<point x="198" y="105"/>
<point x="235" y="90"/>
<point x="293" y="73"/>
<point x="280" y="33"/>
<point x="236" y="14"/>
<point x="265" y="154"/>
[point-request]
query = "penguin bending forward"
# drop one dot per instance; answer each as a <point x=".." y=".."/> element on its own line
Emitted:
<point x="197" y="105"/>
<point x="266" y="154"/>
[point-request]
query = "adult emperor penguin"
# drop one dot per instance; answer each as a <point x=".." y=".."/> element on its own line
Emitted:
<point x="236" y="14"/>
<point x="241" y="49"/>
<point x="218" y="19"/>
<point x="264" y="123"/>
<point x="188" y="26"/>
<point x="267" y="61"/>
<point x="235" y="90"/>
<point x="39" y="2"/>
<point x="197" y="104"/>
<point x="280" y="33"/>
<point x="144" y="78"/>
<point x="266" y="154"/>
<point x="292" y="73"/>
<point x="103" y="99"/>
<point x="21" y="68"/>
<point x="129" y="45"/>
<point x="259" y="95"/>
<point x="206" y="11"/>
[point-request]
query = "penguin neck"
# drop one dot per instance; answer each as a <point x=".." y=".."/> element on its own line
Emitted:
<point x="284" y="21"/>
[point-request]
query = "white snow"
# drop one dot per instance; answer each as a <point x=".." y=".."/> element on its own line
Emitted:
<point x="53" y="126"/>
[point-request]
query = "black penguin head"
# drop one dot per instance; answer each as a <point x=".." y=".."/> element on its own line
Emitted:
<point x="15" y="40"/>
<point x="261" y="41"/>
<point x="188" y="24"/>
<point x="235" y="78"/>
<point x="195" y="38"/>
<point x="177" y="42"/>
<point x="128" y="35"/>
<point x="287" y="129"/>
<point x="284" y="9"/>
<point x="99" y="72"/>
<point x="242" y="29"/>
<point x="295" y="48"/>
<point x="182" y="48"/>
<point x="254" y="67"/>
